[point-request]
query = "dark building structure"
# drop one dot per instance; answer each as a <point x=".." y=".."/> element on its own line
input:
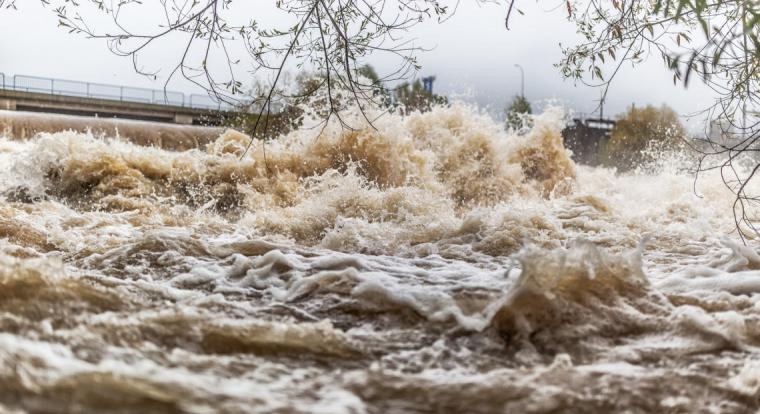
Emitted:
<point x="427" y="84"/>
<point x="586" y="138"/>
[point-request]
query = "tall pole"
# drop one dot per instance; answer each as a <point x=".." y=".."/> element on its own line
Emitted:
<point x="522" y="80"/>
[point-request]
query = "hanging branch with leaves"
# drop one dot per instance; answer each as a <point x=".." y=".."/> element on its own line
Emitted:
<point x="332" y="38"/>
<point x="713" y="41"/>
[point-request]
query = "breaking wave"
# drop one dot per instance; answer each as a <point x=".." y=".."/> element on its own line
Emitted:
<point x="433" y="263"/>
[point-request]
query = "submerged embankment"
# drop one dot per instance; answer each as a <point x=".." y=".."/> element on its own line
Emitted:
<point x="434" y="264"/>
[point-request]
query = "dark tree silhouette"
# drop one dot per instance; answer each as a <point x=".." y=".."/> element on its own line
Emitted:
<point x="516" y="113"/>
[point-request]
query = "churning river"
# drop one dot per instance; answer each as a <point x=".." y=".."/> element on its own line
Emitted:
<point x="432" y="265"/>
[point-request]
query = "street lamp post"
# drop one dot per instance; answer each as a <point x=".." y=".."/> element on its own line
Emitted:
<point x="522" y="80"/>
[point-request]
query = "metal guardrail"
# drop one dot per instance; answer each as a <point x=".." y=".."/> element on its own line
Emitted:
<point x="591" y="117"/>
<point x="206" y="102"/>
<point x="67" y="87"/>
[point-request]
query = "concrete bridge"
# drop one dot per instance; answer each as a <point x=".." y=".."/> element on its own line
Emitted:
<point x="59" y="96"/>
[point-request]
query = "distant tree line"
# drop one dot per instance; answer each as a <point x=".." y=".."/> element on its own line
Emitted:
<point x="641" y="134"/>
<point x="638" y="137"/>
<point x="404" y="98"/>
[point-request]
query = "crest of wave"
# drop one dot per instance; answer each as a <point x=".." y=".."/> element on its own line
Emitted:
<point x="409" y="171"/>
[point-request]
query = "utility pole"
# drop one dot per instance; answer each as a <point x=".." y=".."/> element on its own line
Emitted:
<point x="522" y="80"/>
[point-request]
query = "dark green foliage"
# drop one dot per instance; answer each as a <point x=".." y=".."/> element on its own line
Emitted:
<point x="405" y="98"/>
<point x="413" y="97"/>
<point x="516" y="114"/>
<point x="641" y="134"/>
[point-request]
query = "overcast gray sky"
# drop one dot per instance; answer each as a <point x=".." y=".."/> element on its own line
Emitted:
<point x="473" y="57"/>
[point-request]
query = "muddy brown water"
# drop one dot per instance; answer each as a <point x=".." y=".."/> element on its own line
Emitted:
<point x="25" y="125"/>
<point x="434" y="265"/>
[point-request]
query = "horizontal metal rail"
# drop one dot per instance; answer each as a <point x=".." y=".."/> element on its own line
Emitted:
<point x="121" y="93"/>
<point x="207" y="102"/>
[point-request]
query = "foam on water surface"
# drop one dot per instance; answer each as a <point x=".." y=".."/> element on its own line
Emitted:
<point x="434" y="264"/>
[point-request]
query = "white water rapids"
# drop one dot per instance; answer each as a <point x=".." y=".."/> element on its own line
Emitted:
<point x="435" y="264"/>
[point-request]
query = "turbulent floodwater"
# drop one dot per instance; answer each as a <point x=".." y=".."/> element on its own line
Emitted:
<point x="432" y="265"/>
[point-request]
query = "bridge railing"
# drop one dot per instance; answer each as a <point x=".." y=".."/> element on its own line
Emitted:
<point x="111" y="92"/>
<point x="207" y="102"/>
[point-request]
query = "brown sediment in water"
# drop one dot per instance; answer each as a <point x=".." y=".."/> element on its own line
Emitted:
<point x="26" y="125"/>
<point x="433" y="263"/>
<point x="380" y="177"/>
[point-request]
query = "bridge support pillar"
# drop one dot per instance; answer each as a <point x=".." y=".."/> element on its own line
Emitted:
<point x="8" y="104"/>
<point x="183" y="119"/>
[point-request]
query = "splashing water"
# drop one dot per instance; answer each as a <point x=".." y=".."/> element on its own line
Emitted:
<point x="434" y="264"/>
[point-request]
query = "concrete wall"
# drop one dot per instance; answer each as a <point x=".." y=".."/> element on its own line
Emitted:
<point x="107" y="108"/>
<point x="7" y="104"/>
<point x="25" y="125"/>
